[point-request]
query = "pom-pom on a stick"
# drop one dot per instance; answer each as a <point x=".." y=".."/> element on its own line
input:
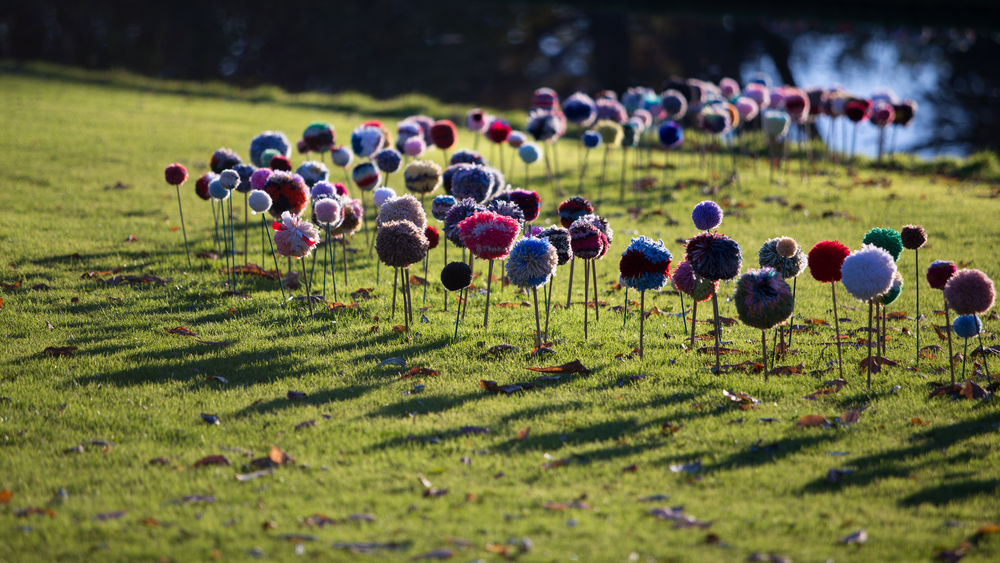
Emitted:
<point x="967" y="326"/>
<point x="670" y="135"/>
<point x="498" y="131"/>
<point x="275" y="140"/>
<point x="558" y="237"/>
<point x="288" y="193"/>
<point x="529" y="153"/>
<point x="531" y="263"/>
<point x="685" y="280"/>
<point x="404" y="208"/>
<point x="529" y="202"/>
<point x="763" y="299"/>
<point x="587" y="241"/>
<point x="329" y="212"/>
<point x="487" y="235"/>
<point x="313" y="171"/>
<point x="887" y="239"/>
<point x="175" y="174"/>
<point x="294" y="236"/>
<point x="969" y="292"/>
<point x="466" y="156"/>
<point x="259" y="178"/>
<point x="645" y="264"/>
<point x="381" y="195"/>
<point x="443" y="134"/>
<point x="456" y="214"/>
<point x="706" y="216"/>
<point x="939" y="272"/>
<point x="591" y="139"/>
<point x="572" y="209"/>
<point x="366" y="140"/>
<point x="318" y="137"/>
<point x="456" y="276"/>
<point x="400" y="244"/>
<point x="868" y="272"/>
<point x="280" y="162"/>
<point x="441" y="205"/>
<point x="772" y="255"/>
<point x="365" y="176"/>
<point x="224" y="159"/>
<point x="825" y="260"/>
<point x="433" y="236"/>
<point x="388" y="160"/>
<point x="202" y="183"/>
<point x="341" y="156"/>
<point x="422" y="176"/>
<point x="259" y="201"/>
<point x="507" y="209"/>
<point x="913" y="236"/>
<point x="714" y="256"/>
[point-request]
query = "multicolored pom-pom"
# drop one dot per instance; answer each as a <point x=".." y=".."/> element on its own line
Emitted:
<point x="587" y="241"/>
<point x="459" y="212"/>
<point x="487" y="235"/>
<point x="294" y="236"/>
<point x="558" y="237"/>
<point x="224" y="159"/>
<point x="366" y="140"/>
<point x="939" y="272"/>
<point x="422" y="176"/>
<point x="572" y="209"/>
<point x="441" y="205"/>
<point x="275" y="140"/>
<point x="714" y="256"/>
<point x="365" y="175"/>
<point x="313" y="171"/>
<point x="318" y="137"/>
<point x="531" y="263"/>
<point x="202" y="183"/>
<point x="645" y="264"/>
<point x="687" y="282"/>
<point x="770" y="256"/>
<point x="763" y="299"/>
<point x="529" y="202"/>
<point x="288" y="193"/>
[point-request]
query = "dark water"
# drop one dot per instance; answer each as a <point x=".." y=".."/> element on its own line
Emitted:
<point x="941" y="54"/>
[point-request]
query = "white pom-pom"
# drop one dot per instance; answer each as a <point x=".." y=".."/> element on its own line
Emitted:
<point x="229" y="179"/>
<point x="259" y="201"/>
<point x="328" y="211"/>
<point x="868" y="273"/>
<point x="381" y="194"/>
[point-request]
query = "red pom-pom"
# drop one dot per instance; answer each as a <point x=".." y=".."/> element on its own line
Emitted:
<point x="175" y="174"/>
<point x="498" y="131"/>
<point x="443" y="134"/>
<point x="280" y="162"/>
<point x="302" y="146"/>
<point x="939" y="272"/>
<point x="201" y="185"/>
<point x="825" y="260"/>
<point x="433" y="236"/>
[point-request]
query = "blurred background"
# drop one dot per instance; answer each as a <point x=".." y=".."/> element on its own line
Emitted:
<point x="942" y="54"/>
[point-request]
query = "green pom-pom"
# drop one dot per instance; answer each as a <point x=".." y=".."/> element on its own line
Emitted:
<point x="887" y="239"/>
<point x="897" y="287"/>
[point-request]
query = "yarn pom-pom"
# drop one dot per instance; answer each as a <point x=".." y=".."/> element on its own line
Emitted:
<point x="967" y="326"/>
<point x="516" y="139"/>
<point x="202" y="183"/>
<point x="969" y="292"/>
<point x="714" y="256"/>
<point x="229" y="179"/>
<point x="318" y="137"/>
<point x="312" y="172"/>
<point x="498" y="131"/>
<point x="456" y="276"/>
<point x="366" y="140"/>
<point x="545" y="125"/>
<point x="414" y="147"/>
<point x="259" y="178"/>
<point x="459" y="212"/>
<point x="400" y="243"/>
<point x="545" y="98"/>
<point x="433" y="236"/>
<point x="611" y="110"/>
<point x="558" y="237"/>
<point x="388" y="160"/>
<point x="857" y="109"/>
<point x="422" y="176"/>
<point x="825" y="260"/>
<point x="288" y="193"/>
<point x="406" y="130"/>
<point x="294" y="236"/>
<point x="216" y="190"/>
<point x="939" y="272"/>
<point x="867" y="273"/>
<point x="268" y="155"/>
<point x="674" y="104"/>
<point x="259" y="201"/>
<point x="224" y="159"/>
<point x="488" y="235"/>
<point x="670" y="135"/>
<point x="895" y="290"/>
<point x="341" y="156"/>
<point x="353" y="212"/>
<point x="404" y="208"/>
<point x="471" y="181"/>
<point x="302" y="146"/>
<point x="882" y="114"/>
<point x="707" y="215"/>
<point x="913" y="236"/>
<point x="532" y="262"/>
<point x="591" y="139"/>
<point x="341" y="189"/>
<point x="381" y="195"/>
<point x="529" y="153"/>
<point x="175" y="174"/>
<point x="529" y="202"/>
<point x="887" y="239"/>
<point x="275" y="140"/>
<point x="328" y="212"/>
<point x="770" y="256"/>
<point x="507" y="208"/>
<point x="365" y="175"/>
<point x="572" y="209"/>
<point x="245" y="170"/>
<point x="645" y="264"/>
<point x="686" y="281"/>
<point x="580" y="109"/>
<point x="441" y="205"/>
<point x="280" y="162"/>
<point x="776" y="123"/>
<point x="475" y="120"/>
<point x="610" y="132"/>
<point x="321" y="190"/>
<point x="587" y="241"/>
<point x="747" y="107"/>
<point x="466" y="156"/>
<point x="763" y="299"/>
<point x="443" y="134"/>
<point x="601" y="223"/>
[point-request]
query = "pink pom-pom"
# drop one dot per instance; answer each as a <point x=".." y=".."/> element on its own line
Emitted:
<point x="488" y="235"/>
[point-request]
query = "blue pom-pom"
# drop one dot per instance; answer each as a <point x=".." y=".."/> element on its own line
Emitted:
<point x="269" y="140"/>
<point x="591" y="139"/>
<point x="531" y="262"/>
<point x="466" y="156"/>
<point x="529" y="153"/>
<point x="388" y="160"/>
<point x="245" y="171"/>
<point x="707" y="215"/>
<point x="645" y="264"/>
<point x="967" y="326"/>
<point x="671" y="135"/>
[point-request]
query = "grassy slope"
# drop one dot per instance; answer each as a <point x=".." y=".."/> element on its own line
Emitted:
<point x="915" y="489"/>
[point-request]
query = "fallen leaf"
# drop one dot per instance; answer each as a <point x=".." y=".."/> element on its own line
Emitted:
<point x="817" y="322"/>
<point x="631" y="469"/>
<point x="206" y="255"/>
<point x="306" y="424"/>
<point x="570" y="367"/>
<point x="473" y="430"/>
<point x="953" y="555"/>
<point x="429" y="489"/>
<point x="181" y="330"/>
<point x="295" y="395"/>
<point x="64" y="351"/>
<point x="711" y="350"/>
<point x="320" y="520"/>
<point x="523" y="433"/>
<point x="918" y="422"/>
<point x="25" y="512"/>
<point x="812" y="420"/>
<point x="745" y="401"/>
<point x="279" y="457"/>
<point x="500" y="349"/>
<point x="106" y="516"/>
<point x="212" y="460"/>
<point x="693" y="467"/>
<point x="5" y="496"/>
<point x="972" y="390"/>
<point x="850" y="417"/>
<point x="787" y="370"/>
<point x="210" y="418"/>
<point x="420" y="371"/>
<point x="399" y="328"/>
<point x="679" y="518"/>
<point x="857" y="538"/>
<point x="495" y="388"/>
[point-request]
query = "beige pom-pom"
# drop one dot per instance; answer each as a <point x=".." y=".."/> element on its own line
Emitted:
<point x="786" y="247"/>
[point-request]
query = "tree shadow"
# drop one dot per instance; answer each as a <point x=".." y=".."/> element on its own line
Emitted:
<point x="948" y="493"/>
<point x="421" y="404"/>
<point x="321" y="398"/>
<point x="761" y="454"/>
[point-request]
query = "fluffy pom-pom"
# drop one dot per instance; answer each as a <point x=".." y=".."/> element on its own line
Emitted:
<point x="939" y="272"/>
<point x="601" y="223"/>
<point x="400" y="243"/>
<point x="895" y="290"/>
<point x="414" y="147"/>
<point x="913" y="236"/>
<point x="466" y="156"/>
<point x="353" y="212"/>
<point x="318" y="137"/>
<point x="587" y="241"/>
<point x="498" y="131"/>
<point x="456" y="276"/>
<point x="328" y="212"/>
<point x="572" y="209"/>
<point x="245" y="170"/>
<point x="488" y="235"/>
<point x="365" y="176"/>
<point x="259" y="178"/>
<point x="405" y="208"/>
<point x="967" y="326"/>
<point x="294" y="236"/>
<point x="224" y="159"/>
<point x="532" y="262"/>
<point x="545" y="98"/>
<point x="216" y="190"/>
<point x="580" y="109"/>
<point x="747" y="107"/>
<point x="867" y="273"/>
<point x="441" y="205"/>
<point x="707" y="215"/>
<point x="312" y="172"/>
<point x="610" y="132"/>
<point x="458" y="213"/>
<point x="776" y="123"/>
<point x="268" y="155"/>
<point x="475" y="120"/>
<point x="471" y="181"/>
<point x="268" y="140"/>
<point x="856" y="109"/>
<point x="202" y="183"/>
<point x="558" y="237"/>
<point x="321" y="190"/>
<point x="433" y="236"/>
<point x="388" y="160"/>
<point x="516" y="139"/>
<point x="825" y="260"/>
<point x="687" y="282"/>
<point x="381" y="195"/>
<point x="645" y="264"/>
<point x="341" y="156"/>
<point x="229" y="179"/>
<point x="714" y="256"/>
<point x="763" y="299"/>
<point x="670" y="134"/>
<point x="259" y="201"/>
<point x="770" y="256"/>
<point x="545" y="126"/>
<point x="529" y="202"/>
<point x="280" y="162"/>
<point x="422" y="176"/>
<point x="611" y="110"/>
<point x="786" y="247"/>
<point x="529" y="153"/>
<point x="969" y="292"/>
<point x="591" y="139"/>
<point x="887" y="239"/>
<point x="507" y="208"/>
<point x="175" y="174"/>
<point x="674" y="104"/>
<point x="443" y="134"/>
<point x="288" y="193"/>
<point x="366" y="140"/>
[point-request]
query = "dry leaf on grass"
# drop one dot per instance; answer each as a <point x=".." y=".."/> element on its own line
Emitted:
<point x="570" y="367"/>
<point x="212" y="460"/>
<point x="812" y="421"/>
<point x="64" y="351"/>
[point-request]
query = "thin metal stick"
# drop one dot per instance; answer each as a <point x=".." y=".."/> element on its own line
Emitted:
<point x="277" y="271"/>
<point x="870" y="360"/>
<point x="763" y="352"/>
<point x="836" y="324"/>
<point x="715" y="307"/>
<point x="593" y="272"/>
<point x="642" y="321"/>
<point x="183" y="228"/>
<point x="951" y="354"/>
<point x="586" y="296"/>
<point x="569" y="288"/>
<point x="538" y="324"/>
<point x="308" y="294"/>
<point x="489" y="283"/>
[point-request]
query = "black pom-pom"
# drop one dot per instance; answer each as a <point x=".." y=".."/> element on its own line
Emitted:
<point x="456" y="275"/>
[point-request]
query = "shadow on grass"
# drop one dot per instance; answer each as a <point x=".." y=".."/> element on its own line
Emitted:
<point x="321" y="398"/>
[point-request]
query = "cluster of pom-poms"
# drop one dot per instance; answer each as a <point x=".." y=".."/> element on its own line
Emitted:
<point x="224" y="159"/>
<point x="532" y="262"/>
<point x="294" y="236"/>
<point x="288" y="193"/>
<point x="456" y="214"/>
<point x="645" y="264"/>
<point x="488" y="235"/>
<point x="826" y="259"/>
<point x="969" y="292"/>
<point x="273" y="140"/>
<point x="763" y="298"/>
<point x="868" y="272"/>
<point x="714" y="256"/>
<point x="784" y="255"/>
<point x="400" y="243"/>
<point x="687" y="282"/>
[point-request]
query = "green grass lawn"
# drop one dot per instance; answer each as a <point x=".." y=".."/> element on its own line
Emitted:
<point x="570" y="470"/>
